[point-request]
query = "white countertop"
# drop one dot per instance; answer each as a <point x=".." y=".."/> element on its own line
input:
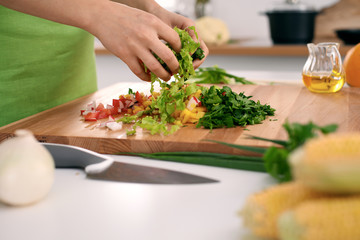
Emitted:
<point x="80" y="208"/>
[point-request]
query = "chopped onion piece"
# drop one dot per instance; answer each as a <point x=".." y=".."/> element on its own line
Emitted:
<point x="114" y="125"/>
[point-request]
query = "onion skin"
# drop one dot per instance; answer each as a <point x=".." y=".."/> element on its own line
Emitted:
<point x="26" y="170"/>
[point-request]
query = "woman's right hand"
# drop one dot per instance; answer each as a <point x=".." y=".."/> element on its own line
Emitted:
<point x="134" y="35"/>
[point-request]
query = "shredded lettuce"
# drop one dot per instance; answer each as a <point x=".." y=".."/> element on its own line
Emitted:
<point x="190" y="50"/>
<point x="154" y="126"/>
<point x="172" y="96"/>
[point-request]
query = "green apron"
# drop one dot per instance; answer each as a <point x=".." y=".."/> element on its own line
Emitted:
<point x="42" y="64"/>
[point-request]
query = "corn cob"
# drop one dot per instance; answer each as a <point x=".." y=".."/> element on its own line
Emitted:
<point x="261" y="210"/>
<point x="334" y="218"/>
<point x="330" y="163"/>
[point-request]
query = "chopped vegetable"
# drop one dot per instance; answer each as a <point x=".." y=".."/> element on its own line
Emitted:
<point x="216" y="75"/>
<point x="154" y="126"/>
<point x="178" y="103"/>
<point x="262" y="209"/>
<point x="330" y="163"/>
<point x="228" y="109"/>
<point x="331" y="218"/>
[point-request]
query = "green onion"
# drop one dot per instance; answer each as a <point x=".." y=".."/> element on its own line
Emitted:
<point x="216" y="75"/>
<point x="249" y="163"/>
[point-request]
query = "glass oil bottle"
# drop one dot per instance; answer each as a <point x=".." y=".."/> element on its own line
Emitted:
<point x="323" y="71"/>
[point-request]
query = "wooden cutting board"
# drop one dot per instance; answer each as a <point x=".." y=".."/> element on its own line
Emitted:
<point x="294" y="103"/>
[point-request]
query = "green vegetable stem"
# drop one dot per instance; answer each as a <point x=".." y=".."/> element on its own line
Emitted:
<point x="216" y="75"/>
<point x="210" y="159"/>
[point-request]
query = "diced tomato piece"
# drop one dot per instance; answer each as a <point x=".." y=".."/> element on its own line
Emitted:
<point x="100" y="107"/>
<point x="138" y="97"/>
<point x="92" y="116"/>
<point x="113" y="110"/>
<point x="122" y="99"/>
<point x="104" y="113"/>
<point x="116" y="103"/>
<point x="82" y="112"/>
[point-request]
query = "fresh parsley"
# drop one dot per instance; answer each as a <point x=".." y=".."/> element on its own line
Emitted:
<point x="226" y="108"/>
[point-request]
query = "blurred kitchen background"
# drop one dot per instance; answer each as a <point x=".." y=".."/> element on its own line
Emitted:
<point x="250" y="52"/>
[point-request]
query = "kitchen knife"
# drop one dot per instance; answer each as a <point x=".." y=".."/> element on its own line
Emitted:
<point x="98" y="166"/>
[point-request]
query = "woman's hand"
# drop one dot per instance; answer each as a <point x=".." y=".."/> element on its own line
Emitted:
<point x="134" y="35"/>
<point x="173" y="19"/>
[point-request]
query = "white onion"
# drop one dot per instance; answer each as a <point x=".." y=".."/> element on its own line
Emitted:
<point x="26" y="170"/>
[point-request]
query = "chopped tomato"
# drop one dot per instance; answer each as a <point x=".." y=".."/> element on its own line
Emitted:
<point x="122" y="99"/>
<point x="104" y="113"/>
<point x="92" y="116"/>
<point x="116" y="103"/>
<point x="113" y="110"/>
<point x="138" y="97"/>
<point x="100" y="107"/>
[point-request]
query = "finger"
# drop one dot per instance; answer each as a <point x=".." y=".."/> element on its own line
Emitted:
<point x="165" y="53"/>
<point x="137" y="67"/>
<point x="154" y="65"/>
<point x="192" y="34"/>
<point x="170" y="36"/>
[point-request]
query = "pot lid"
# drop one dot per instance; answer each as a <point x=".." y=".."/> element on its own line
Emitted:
<point x="290" y="5"/>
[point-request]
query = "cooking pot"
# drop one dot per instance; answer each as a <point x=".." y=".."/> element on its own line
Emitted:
<point x="292" y="23"/>
<point x="349" y="36"/>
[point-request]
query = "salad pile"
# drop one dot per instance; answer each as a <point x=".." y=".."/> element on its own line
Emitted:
<point x="179" y="103"/>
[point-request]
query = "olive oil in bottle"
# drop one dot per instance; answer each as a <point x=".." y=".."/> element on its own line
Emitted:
<point x="323" y="71"/>
<point x="324" y="84"/>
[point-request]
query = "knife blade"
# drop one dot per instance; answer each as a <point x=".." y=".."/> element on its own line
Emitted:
<point x="98" y="166"/>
